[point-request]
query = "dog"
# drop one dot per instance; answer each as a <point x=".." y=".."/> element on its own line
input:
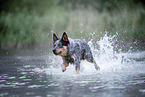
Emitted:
<point x="72" y="51"/>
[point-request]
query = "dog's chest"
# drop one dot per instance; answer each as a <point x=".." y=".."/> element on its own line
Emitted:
<point x="70" y="60"/>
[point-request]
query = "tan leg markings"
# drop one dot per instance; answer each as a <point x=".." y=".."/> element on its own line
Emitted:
<point x="64" y="64"/>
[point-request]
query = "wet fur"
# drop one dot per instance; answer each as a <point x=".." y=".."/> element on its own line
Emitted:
<point x="72" y="51"/>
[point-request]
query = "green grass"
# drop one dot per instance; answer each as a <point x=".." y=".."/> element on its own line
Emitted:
<point x="20" y="29"/>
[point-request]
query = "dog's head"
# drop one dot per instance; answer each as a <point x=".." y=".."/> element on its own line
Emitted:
<point x="60" y="45"/>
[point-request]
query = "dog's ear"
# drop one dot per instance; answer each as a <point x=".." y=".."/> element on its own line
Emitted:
<point x="64" y="37"/>
<point x="54" y="38"/>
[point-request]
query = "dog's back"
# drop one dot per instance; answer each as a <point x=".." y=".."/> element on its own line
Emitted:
<point x="79" y="47"/>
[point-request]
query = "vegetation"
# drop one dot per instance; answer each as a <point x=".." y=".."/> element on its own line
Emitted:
<point x="29" y="22"/>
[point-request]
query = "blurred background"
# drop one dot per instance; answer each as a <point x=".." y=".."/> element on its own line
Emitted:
<point x="30" y="23"/>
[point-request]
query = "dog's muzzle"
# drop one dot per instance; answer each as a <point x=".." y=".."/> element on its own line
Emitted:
<point x="54" y="51"/>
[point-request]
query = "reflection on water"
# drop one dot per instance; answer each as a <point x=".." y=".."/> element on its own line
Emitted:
<point x="38" y="73"/>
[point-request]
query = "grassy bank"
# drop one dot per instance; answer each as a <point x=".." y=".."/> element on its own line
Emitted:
<point x="23" y="29"/>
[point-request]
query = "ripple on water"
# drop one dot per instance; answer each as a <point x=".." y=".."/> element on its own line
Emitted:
<point x="23" y="73"/>
<point x="11" y="77"/>
<point x="36" y="86"/>
<point x="22" y="77"/>
<point x="8" y="85"/>
<point x="84" y="82"/>
<point x="2" y="80"/>
<point x="3" y="94"/>
<point x="5" y="76"/>
<point x="142" y="90"/>
<point x="17" y="83"/>
<point x="97" y="87"/>
<point x="27" y="79"/>
<point x="30" y="93"/>
<point x="135" y="82"/>
<point x="49" y="95"/>
<point x="116" y="87"/>
<point x="54" y="84"/>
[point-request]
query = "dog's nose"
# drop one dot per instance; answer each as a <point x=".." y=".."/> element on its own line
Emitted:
<point x="53" y="51"/>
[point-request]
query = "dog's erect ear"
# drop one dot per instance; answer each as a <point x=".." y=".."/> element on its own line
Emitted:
<point x="64" y="37"/>
<point x="54" y="38"/>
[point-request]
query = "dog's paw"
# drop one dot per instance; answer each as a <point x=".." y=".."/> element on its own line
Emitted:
<point x="97" y="67"/>
<point x="63" y="70"/>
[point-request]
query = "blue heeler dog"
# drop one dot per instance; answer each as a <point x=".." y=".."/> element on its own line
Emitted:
<point x="72" y="51"/>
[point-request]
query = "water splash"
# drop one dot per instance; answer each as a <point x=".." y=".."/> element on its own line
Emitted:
<point x="109" y="60"/>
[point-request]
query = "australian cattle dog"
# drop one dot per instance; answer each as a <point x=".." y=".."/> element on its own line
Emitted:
<point x="72" y="51"/>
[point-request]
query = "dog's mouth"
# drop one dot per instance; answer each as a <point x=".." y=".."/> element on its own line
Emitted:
<point x="56" y="52"/>
<point x="59" y="53"/>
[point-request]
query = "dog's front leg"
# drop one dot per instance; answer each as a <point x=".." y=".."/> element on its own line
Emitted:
<point x="65" y="64"/>
<point x="64" y="67"/>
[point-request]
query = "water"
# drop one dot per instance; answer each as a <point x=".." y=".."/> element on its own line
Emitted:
<point x="37" y="73"/>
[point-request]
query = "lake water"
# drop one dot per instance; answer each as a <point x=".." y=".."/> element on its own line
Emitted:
<point x="37" y="73"/>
